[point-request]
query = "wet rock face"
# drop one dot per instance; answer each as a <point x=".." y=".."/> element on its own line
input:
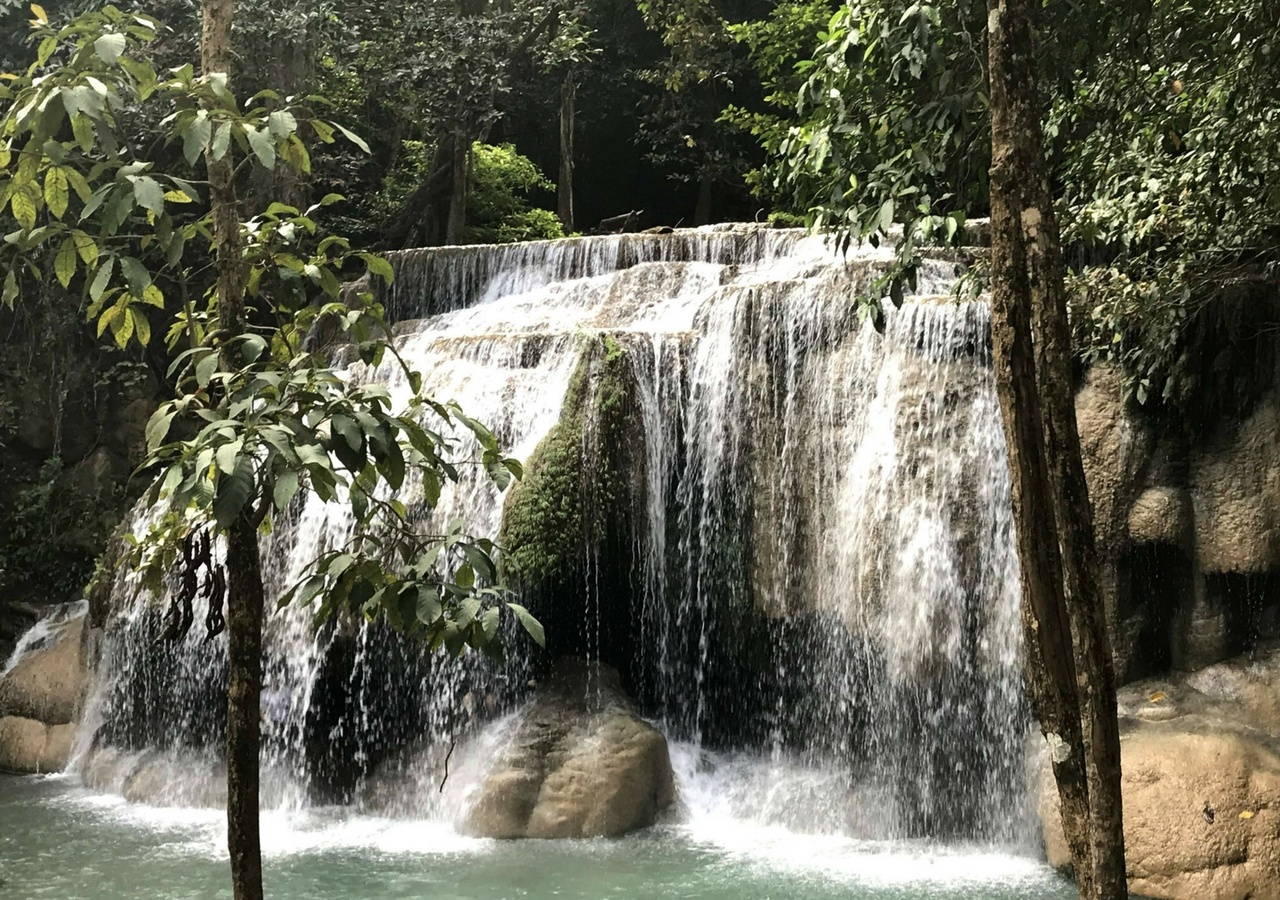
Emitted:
<point x="1236" y="484"/>
<point x="1201" y="784"/>
<point x="39" y="701"/>
<point x="581" y="764"/>
<point x="1187" y="525"/>
<point x="47" y="685"/>
<point x="31" y="747"/>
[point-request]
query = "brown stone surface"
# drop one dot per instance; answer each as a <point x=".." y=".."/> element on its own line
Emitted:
<point x="1162" y="515"/>
<point x="1235" y="480"/>
<point x="31" y="747"/>
<point x="47" y="685"/>
<point x="581" y="764"/>
<point x="1210" y="737"/>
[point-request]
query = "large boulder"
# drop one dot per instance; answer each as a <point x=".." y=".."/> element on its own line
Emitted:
<point x="581" y="764"/>
<point x="31" y="747"/>
<point x="47" y="685"/>
<point x="1190" y="745"/>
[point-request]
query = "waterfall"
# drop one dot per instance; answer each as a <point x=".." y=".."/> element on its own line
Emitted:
<point x="797" y="548"/>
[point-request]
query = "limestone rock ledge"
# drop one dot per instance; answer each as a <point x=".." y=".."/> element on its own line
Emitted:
<point x="40" y="701"/>
<point x="47" y="685"/>
<point x="1190" y="741"/>
<point x="31" y="747"/>
<point x="581" y="764"/>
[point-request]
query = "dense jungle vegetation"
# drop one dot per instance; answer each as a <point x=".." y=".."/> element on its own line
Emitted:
<point x="488" y="120"/>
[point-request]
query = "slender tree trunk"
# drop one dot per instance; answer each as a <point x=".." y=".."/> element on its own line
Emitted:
<point x="292" y="78"/>
<point x="564" y="193"/>
<point x="458" y="194"/>
<point x="244" y="701"/>
<point x="702" y="212"/>
<point x="1073" y="690"/>
<point x="243" y="566"/>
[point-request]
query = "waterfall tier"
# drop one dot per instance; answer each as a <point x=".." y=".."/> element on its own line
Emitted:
<point x="789" y="533"/>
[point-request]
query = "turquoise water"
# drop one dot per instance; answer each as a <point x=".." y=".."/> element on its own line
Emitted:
<point x="58" y="840"/>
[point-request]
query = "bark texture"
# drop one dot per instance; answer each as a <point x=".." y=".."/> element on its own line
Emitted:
<point x="1069" y="656"/>
<point x="564" y="188"/>
<point x="458" y="194"/>
<point x="243" y="566"/>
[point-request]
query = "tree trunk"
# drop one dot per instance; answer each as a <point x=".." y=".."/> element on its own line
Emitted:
<point x="1073" y="690"/>
<point x="702" y="212"/>
<point x="244" y="701"/>
<point x="458" y="195"/>
<point x="564" y="193"/>
<point x="292" y="78"/>
<point x="243" y="566"/>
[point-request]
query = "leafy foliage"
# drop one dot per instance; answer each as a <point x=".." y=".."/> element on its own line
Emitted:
<point x="1168" y="169"/>
<point x="502" y="181"/>
<point x="774" y="45"/>
<point x="892" y="130"/>
<point x="1161" y="117"/>
<point x="257" y="419"/>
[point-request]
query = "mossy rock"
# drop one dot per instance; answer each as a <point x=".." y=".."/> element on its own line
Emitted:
<point x="578" y="477"/>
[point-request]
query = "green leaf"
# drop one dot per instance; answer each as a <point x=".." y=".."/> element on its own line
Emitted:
<point x="489" y="623"/>
<point x="531" y="625"/>
<point x="323" y="130"/>
<point x="391" y="465"/>
<point x="78" y="184"/>
<point x="82" y="130"/>
<point x="158" y="428"/>
<point x="196" y="137"/>
<point x="141" y="326"/>
<point x="227" y="456"/>
<point x="101" y="278"/>
<point x="56" y="191"/>
<point x="10" y="291"/>
<point x="429" y="609"/>
<point x="379" y="266"/>
<point x="221" y="140"/>
<point x="467" y="611"/>
<point x="281" y="123"/>
<point x="64" y="265"/>
<point x="205" y="368"/>
<point x="148" y="193"/>
<point x="135" y="273"/>
<point x="234" y="491"/>
<point x="122" y="323"/>
<point x="24" y="205"/>
<point x="346" y="428"/>
<point x="465" y="577"/>
<point x="87" y="247"/>
<point x="262" y="145"/>
<point x="285" y="488"/>
<point x="254" y="346"/>
<point x="886" y="214"/>
<point x="109" y="47"/>
<point x="352" y="137"/>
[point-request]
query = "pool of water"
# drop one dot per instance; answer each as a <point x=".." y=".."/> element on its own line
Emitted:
<point x="58" y="840"/>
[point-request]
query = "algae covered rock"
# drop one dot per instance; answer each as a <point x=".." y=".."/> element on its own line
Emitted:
<point x="581" y="764"/>
<point x="576" y="477"/>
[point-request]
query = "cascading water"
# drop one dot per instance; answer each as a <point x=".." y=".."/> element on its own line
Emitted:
<point x="803" y="568"/>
